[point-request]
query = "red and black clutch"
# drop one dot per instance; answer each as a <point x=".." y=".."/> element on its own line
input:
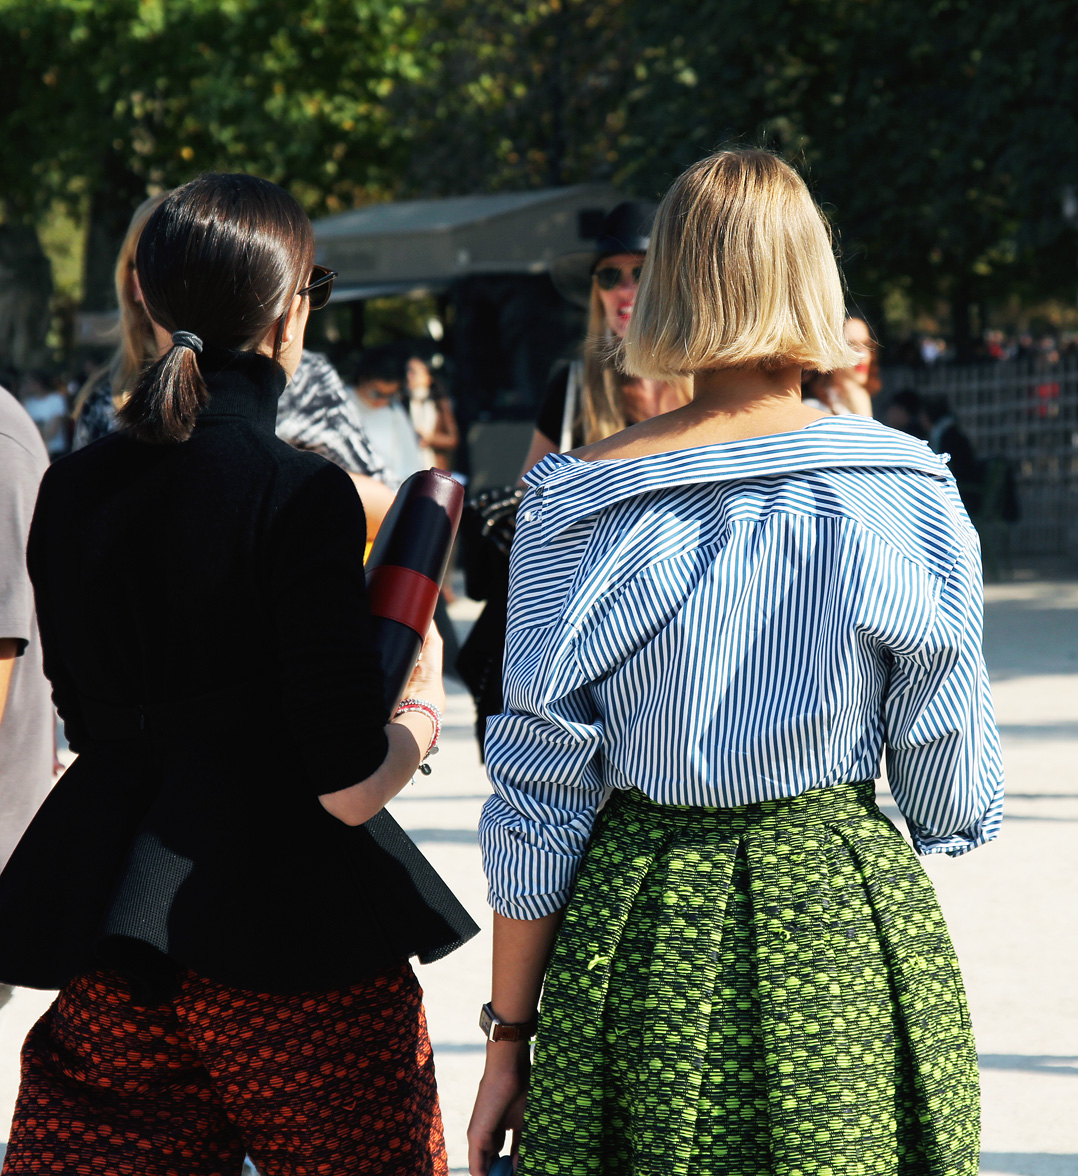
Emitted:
<point x="405" y="570"/>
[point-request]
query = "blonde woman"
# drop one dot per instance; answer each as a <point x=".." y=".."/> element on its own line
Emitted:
<point x="719" y="621"/>
<point x="591" y="398"/>
<point x="106" y="391"/>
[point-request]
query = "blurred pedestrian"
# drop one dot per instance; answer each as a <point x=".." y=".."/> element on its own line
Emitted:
<point x="317" y="412"/>
<point x="432" y="415"/>
<point x="27" y="726"/>
<point x="26" y="719"/>
<point x="107" y="389"/>
<point x="379" y="376"/>
<point x="944" y="436"/>
<point x="849" y="391"/>
<point x="904" y="412"/>
<point x="48" y="409"/>
<point x="592" y="397"/>
<point x="743" y="966"/>
<point x="586" y="400"/>
<point x="199" y="883"/>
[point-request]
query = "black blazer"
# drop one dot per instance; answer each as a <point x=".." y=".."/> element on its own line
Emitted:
<point x="205" y="627"/>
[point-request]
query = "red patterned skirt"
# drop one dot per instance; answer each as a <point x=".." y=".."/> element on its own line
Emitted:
<point x="333" y="1082"/>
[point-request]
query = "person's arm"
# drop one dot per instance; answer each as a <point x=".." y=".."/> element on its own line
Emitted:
<point x="541" y="445"/>
<point x="944" y="764"/>
<point x="65" y="695"/>
<point x="9" y="651"/>
<point x="544" y="763"/>
<point x="376" y="497"/>
<point x="521" y="952"/>
<point x="548" y="422"/>
<point x="850" y="392"/>
<point x="408" y="736"/>
<point x="446" y="435"/>
<point x="332" y="692"/>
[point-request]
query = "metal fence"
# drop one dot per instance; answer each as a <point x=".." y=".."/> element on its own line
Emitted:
<point x="1026" y="412"/>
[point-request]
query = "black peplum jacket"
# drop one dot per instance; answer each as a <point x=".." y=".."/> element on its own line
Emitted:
<point x="205" y="627"/>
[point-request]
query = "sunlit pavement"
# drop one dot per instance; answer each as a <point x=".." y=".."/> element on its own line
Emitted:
<point x="1010" y="905"/>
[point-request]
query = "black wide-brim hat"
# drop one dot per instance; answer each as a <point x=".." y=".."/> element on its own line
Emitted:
<point x="626" y="228"/>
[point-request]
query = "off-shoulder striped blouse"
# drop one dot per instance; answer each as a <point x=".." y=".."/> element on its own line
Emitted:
<point x="735" y="623"/>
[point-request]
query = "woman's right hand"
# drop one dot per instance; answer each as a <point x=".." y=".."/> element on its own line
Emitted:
<point x="499" y="1105"/>
<point x="426" y="679"/>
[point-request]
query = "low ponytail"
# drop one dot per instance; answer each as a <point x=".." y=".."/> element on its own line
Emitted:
<point x="218" y="264"/>
<point x="165" y="402"/>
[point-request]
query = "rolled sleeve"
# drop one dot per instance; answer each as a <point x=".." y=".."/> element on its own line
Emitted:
<point x="543" y="753"/>
<point x="944" y="762"/>
<point x="547" y="788"/>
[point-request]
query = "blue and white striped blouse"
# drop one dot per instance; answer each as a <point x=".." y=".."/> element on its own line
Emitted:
<point x="735" y="623"/>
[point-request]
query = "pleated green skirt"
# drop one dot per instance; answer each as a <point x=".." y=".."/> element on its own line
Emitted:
<point x="761" y="991"/>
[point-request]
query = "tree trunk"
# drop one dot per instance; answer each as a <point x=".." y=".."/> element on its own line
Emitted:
<point x="25" y="298"/>
<point x="111" y="208"/>
<point x="961" y="306"/>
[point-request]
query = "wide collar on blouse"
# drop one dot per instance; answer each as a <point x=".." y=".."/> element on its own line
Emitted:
<point x="241" y="384"/>
<point x="572" y="489"/>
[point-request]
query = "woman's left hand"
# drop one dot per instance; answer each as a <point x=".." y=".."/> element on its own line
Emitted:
<point x="499" y="1105"/>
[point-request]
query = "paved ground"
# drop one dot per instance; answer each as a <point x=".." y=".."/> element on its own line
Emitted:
<point x="1010" y="905"/>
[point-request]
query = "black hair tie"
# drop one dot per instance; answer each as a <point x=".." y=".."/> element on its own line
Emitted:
<point x="187" y="339"/>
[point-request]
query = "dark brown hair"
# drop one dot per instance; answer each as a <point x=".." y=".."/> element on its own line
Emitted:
<point x="222" y="258"/>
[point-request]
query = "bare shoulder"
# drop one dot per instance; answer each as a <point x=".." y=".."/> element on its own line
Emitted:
<point x="658" y="435"/>
<point x="683" y="429"/>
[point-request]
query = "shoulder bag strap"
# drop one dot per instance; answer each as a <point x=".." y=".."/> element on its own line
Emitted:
<point x="568" y="416"/>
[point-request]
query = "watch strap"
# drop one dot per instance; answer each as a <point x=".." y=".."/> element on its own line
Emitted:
<point x="496" y="1030"/>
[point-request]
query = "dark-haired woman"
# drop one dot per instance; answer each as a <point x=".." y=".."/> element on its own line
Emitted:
<point x="229" y="937"/>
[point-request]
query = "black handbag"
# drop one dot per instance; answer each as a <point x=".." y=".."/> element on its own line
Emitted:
<point x="487" y="527"/>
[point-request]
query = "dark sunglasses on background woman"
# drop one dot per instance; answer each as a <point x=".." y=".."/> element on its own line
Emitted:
<point x="610" y="277"/>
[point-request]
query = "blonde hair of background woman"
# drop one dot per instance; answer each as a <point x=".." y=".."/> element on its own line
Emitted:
<point x="136" y="346"/>
<point x="740" y="273"/>
<point x="603" y="411"/>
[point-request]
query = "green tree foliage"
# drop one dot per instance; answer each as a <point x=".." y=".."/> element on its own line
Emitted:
<point x="939" y="134"/>
<point x="515" y="94"/>
<point x="108" y="99"/>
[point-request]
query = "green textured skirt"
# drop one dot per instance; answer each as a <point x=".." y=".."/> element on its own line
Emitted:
<point x="760" y="990"/>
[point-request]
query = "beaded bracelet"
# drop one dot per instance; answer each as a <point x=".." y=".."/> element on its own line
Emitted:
<point x="434" y="714"/>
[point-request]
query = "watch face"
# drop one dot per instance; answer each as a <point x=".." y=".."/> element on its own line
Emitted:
<point x="486" y="1022"/>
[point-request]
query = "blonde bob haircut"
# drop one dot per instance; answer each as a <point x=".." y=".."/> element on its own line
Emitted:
<point x="740" y="274"/>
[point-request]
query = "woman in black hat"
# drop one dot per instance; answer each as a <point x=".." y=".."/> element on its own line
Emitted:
<point x="586" y="400"/>
<point x="589" y="399"/>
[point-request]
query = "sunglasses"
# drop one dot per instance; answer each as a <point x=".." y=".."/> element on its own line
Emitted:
<point x="318" y="290"/>
<point x="610" y="277"/>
